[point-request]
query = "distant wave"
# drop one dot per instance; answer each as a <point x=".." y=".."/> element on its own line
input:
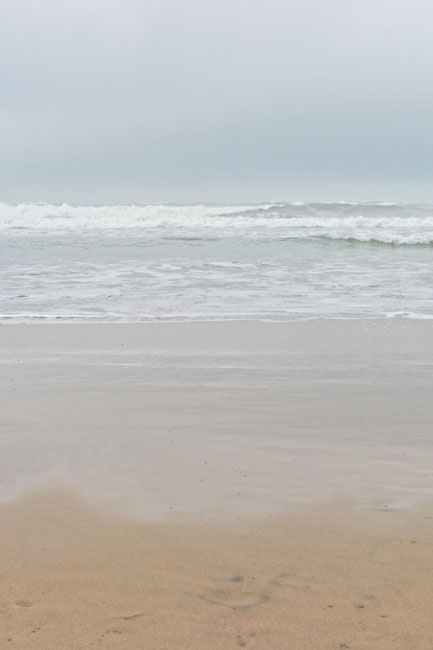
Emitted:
<point x="403" y="239"/>
<point x="47" y="216"/>
<point x="387" y="223"/>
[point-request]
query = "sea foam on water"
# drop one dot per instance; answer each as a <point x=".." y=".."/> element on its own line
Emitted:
<point x="162" y="261"/>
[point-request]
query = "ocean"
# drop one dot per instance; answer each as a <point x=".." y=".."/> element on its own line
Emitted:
<point x="274" y="261"/>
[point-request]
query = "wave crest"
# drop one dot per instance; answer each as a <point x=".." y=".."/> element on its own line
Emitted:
<point x="406" y="224"/>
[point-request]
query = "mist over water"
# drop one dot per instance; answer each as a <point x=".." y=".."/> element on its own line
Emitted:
<point x="275" y="260"/>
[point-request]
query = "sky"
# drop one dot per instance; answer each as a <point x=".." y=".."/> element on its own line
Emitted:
<point x="122" y="101"/>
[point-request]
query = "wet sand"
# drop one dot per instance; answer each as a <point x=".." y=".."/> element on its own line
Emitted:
<point x="219" y="419"/>
<point x="216" y="485"/>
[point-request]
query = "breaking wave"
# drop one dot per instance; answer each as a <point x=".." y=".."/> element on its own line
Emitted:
<point x="386" y="223"/>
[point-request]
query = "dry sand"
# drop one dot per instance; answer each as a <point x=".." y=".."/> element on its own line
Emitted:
<point x="75" y="578"/>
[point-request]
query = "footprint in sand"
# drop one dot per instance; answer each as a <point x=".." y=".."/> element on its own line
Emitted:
<point x="236" y="595"/>
<point x="113" y="631"/>
<point x="288" y="580"/>
<point x="235" y="601"/>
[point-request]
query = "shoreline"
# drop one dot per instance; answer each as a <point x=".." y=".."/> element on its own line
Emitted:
<point x="357" y="334"/>
<point x="59" y="319"/>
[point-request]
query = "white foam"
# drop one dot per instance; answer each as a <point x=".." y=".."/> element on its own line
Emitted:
<point x="398" y="238"/>
<point x="37" y="216"/>
<point x="285" y="220"/>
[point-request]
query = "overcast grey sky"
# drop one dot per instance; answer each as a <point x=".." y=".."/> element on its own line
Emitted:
<point x="216" y="100"/>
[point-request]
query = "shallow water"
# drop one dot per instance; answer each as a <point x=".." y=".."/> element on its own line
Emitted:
<point x="274" y="261"/>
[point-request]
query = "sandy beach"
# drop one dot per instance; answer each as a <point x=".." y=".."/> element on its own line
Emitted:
<point x="73" y="577"/>
<point x="216" y="485"/>
<point x="216" y="325"/>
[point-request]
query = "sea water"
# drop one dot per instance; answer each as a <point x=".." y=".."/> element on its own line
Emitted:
<point x="276" y="261"/>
